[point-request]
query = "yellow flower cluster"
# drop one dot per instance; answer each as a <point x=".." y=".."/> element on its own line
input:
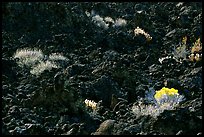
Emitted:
<point x="90" y="103"/>
<point x="165" y="91"/>
<point x="196" y="51"/>
<point x="197" y="46"/>
<point x="163" y="99"/>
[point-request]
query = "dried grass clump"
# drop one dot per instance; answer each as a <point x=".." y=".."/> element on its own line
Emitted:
<point x="139" y="31"/>
<point x="196" y="51"/>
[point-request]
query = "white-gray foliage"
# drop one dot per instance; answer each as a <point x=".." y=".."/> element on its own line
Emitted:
<point x="106" y="22"/>
<point x="28" y="57"/>
<point x="37" y="61"/>
<point x="180" y="53"/>
<point x="120" y="22"/>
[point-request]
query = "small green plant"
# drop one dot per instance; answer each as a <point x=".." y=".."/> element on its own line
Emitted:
<point x="180" y="52"/>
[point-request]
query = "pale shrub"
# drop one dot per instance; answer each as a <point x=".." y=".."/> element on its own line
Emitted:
<point x="37" y="61"/>
<point x="42" y="67"/>
<point x="164" y="99"/>
<point x="28" y="57"/>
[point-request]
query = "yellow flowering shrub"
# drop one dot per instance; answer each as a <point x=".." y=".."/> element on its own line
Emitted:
<point x="163" y="99"/>
<point x="165" y="91"/>
<point x="167" y="95"/>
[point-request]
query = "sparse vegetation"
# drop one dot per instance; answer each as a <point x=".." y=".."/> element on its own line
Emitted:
<point x="164" y="99"/>
<point x="55" y="55"/>
<point x="37" y="62"/>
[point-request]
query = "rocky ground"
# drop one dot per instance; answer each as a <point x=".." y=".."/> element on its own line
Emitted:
<point x="106" y="63"/>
